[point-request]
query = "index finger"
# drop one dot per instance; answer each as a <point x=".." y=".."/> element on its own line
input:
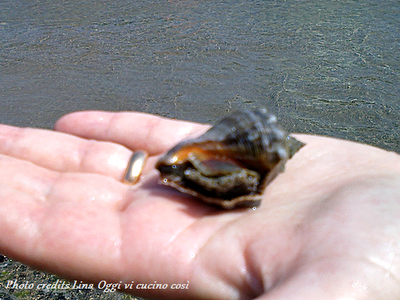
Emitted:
<point x="137" y="131"/>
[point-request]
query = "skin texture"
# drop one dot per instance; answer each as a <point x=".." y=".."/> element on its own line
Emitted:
<point x="328" y="227"/>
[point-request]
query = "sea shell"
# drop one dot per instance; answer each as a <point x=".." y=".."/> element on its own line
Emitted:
<point x="232" y="163"/>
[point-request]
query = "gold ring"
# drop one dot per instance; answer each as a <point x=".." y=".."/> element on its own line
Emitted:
<point x="135" y="167"/>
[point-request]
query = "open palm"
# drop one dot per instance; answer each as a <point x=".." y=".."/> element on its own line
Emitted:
<point x="328" y="227"/>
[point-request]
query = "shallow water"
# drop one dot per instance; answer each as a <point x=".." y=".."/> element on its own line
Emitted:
<point x="324" y="67"/>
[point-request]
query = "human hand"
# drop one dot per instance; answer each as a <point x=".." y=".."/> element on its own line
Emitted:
<point x="328" y="227"/>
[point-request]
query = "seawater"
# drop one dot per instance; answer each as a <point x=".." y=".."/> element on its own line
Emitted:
<point x="324" y="67"/>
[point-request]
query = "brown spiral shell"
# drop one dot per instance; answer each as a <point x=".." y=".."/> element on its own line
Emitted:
<point x="232" y="163"/>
